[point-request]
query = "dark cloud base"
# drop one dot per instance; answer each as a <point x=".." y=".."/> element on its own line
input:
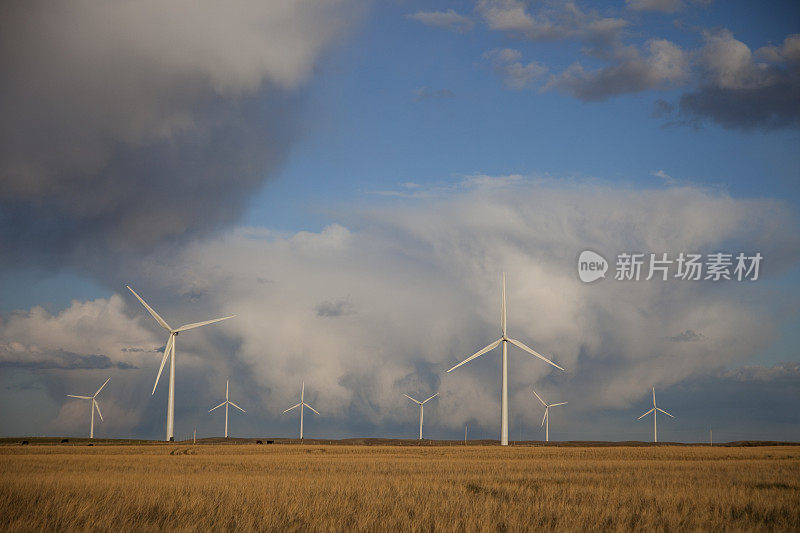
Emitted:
<point x="63" y="360"/>
<point x="765" y="108"/>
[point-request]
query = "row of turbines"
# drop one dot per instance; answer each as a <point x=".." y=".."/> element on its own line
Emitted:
<point x="227" y="403"/>
<point x="504" y="340"/>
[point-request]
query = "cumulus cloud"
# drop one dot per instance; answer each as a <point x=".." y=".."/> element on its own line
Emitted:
<point x="515" y="74"/>
<point x="731" y="85"/>
<point x="553" y="21"/>
<point x="449" y="20"/>
<point x="125" y="125"/>
<point x="424" y="280"/>
<point x="661" y="64"/>
<point x="746" y="91"/>
<point x="87" y="335"/>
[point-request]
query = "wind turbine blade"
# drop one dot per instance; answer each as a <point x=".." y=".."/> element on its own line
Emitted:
<point x="432" y="397"/>
<point x="663" y="411"/>
<point x="205" y="323"/>
<point x="292" y="407"/>
<point x="503" y="321"/>
<point x="152" y="311"/>
<point x="170" y="345"/>
<point x="97" y="406"/>
<point x="312" y="408"/>
<point x="544" y="417"/>
<point x="654" y="396"/>
<point x="540" y="398"/>
<point x="560" y="403"/>
<point x="81" y="397"/>
<point x="412" y="399"/>
<point x="492" y="346"/>
<point x="521" y="346"/>
<point x="236" y="406"/>
<point x="217" y="407"/>
<point x="647" y="413"/>
<point x="101" y="387"/>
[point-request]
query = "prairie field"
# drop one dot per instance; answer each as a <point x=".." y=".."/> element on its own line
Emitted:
<point x="377" y="488"/>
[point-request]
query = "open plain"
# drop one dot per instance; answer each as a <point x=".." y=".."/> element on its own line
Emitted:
<point x="314" y="487"/>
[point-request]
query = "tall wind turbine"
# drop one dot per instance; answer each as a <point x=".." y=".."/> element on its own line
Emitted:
<point x="655" y="417"/>
<point x="546" y="419"/>
<point x="170" y="351"/>
<point x="301" y="405"/>
<point x="226" y="403"/>
<point x="421" y="409"/>
<point x="504" y="340"/>
<point x="94" y="406"/>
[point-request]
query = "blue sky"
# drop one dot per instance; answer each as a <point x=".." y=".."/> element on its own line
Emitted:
<point x="372" y="146"/>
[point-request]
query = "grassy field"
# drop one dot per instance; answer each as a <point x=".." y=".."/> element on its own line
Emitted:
<point x="377" y="488"/>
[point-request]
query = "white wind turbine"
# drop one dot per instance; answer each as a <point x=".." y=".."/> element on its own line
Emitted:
<point x="226" y="403"/>
<point x="94" y="406"/>
<point x="421" y="409"/>
<point x="170" y="351"/>
<point x="504" y="340"/>
<point x="655" y="416"/>
<point x="546" y="419"/>
<point x="301" y="405"/>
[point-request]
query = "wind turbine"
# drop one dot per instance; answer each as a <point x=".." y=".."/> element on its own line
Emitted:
<point x="546" y="418"/>
<point x="421" y="409"/>
<point x="301" y="405"/>
<point x="169" y="350"/>
<point x="655" y="417"/>
<point x="504" y="340"/>
<point x="226" y="403"/>
<point x="94" y="406"/>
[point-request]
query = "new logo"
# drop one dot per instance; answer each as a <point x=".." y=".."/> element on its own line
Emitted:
<point x="591" y="266"/>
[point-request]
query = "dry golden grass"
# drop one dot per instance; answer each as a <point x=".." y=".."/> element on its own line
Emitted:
<point x="335" y="488"/>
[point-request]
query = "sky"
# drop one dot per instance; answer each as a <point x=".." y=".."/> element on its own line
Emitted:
<point x="352" y="178"/>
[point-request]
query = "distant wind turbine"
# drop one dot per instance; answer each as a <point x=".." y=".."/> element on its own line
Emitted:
<point x="226" y="403"/>
<point x="655" y="416"/>
<point x="504" y="340"/>
<point x="301" y="405"/>
<point x="169" y="350"/>
<point x="546" y="419"/>
<point x="94" y="406"/>
<point x="421" y="409"/>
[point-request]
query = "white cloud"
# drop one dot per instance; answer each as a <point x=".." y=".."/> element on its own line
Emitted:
<point x="515" y="74"/>
<point x="742" y="90"/>
<point x="553" y="21"/>
<point x="449" y="20"/>
<point x="663" y="64"/>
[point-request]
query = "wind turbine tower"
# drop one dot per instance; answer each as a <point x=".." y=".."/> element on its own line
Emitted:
<point x="504" y="340"/>
<point x="169" y="352"/>
<point x="226" y="403"/>
<point x="94" y="406"/>
<point x="655" y="410"/>
<point x="421" y="409"/>
<point x="301" y="405"/>
<point x="546" y="419"/>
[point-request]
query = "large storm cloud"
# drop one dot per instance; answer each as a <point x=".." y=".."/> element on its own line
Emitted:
<point x="384" y="306"/>
<point x="125" y="125"/>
